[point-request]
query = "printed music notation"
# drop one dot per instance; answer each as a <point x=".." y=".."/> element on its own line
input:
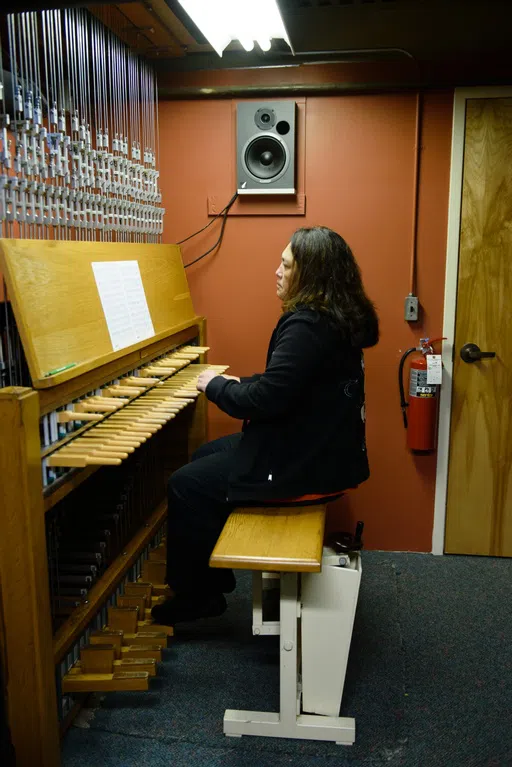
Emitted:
<point x="124" y="302"/>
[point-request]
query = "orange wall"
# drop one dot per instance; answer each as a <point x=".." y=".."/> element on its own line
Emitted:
<point x="359" y="162"/>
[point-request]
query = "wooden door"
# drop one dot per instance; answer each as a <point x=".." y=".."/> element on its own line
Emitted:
<point x="479" y="500"/>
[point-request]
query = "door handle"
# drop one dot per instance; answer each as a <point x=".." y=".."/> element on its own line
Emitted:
<point x="472" y="353"/>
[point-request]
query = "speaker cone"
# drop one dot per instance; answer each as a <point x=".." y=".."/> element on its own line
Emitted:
<point x="265" y="157"/>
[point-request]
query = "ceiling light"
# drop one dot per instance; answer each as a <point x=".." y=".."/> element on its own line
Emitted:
<point x="222" y="21"/>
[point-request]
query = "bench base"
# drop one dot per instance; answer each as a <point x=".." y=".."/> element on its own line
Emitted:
<point x="340" y="730"/>
<point x="290" y="722"/>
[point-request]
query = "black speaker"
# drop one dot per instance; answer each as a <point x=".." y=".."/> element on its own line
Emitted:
<point x="265" y="147"/>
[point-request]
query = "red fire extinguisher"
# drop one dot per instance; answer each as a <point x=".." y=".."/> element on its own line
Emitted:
<point x="420" y="413"/>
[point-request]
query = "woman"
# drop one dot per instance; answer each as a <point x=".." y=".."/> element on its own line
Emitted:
<point x="303" y="436"/>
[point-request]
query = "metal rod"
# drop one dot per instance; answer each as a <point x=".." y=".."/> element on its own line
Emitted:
<point x="70" y="181"/>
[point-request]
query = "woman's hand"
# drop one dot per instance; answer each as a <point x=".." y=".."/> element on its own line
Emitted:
<point x="205" y="378"/>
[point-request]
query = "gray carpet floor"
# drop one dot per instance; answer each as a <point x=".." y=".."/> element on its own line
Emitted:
<point x="429" y="680"/>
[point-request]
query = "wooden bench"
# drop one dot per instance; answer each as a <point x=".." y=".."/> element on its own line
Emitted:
<point x="289" y="541"/>
<point x="282" y="539"/>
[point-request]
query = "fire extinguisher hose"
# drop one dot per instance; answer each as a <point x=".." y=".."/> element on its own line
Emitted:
<point x="403" y="403"/>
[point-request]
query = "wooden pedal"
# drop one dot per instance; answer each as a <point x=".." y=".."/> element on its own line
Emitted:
<point x="136" y="664"/>
<point x="114" y="638"/>
<point x="154" y="571"/>
<point x="123" y="619"/>
<point x="142" y="647"/>
<point x="148" y="629"/>
<point x="97" y="659"/>
<point x="141" y="588"/>
<point x="146" y="638"/>
<point x="119" y="681"/>
<point x="142" y="651"/>
<point x="129" y="600"/>
<point x="149" y="625"/>
<point x="159" y="553"/>
<point x="161" y="590"/>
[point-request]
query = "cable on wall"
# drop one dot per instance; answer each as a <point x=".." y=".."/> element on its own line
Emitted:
<point x="219" y="214"/>
<point x="224" y="213"/>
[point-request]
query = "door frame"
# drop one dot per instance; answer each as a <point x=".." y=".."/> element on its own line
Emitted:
<point x="461" y="95"/>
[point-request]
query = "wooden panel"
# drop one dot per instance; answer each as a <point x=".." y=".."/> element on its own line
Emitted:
<point x="150" y="30"/>
<point x="272" y="539"/>
<point x="479" y="507"/>
<point x="24" y="577"/>
<point x="57" y="305"/>
<point x="6" y="747"/>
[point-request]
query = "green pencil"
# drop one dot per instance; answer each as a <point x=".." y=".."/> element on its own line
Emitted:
<point x="60" y="370"/>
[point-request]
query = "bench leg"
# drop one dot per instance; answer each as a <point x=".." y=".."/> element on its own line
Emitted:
<point x="261" y="581"/>
<point x="288" y="723"/>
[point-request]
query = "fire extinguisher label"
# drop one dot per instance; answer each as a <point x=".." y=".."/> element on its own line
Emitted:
<point x="434" y="369"/>
<point x="418" y="385"/>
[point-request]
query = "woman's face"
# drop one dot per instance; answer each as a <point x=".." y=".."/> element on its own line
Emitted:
<point x="284" y="272"/>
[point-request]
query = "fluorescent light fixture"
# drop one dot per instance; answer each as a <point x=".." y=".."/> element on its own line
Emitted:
<point x="222" y="21"/>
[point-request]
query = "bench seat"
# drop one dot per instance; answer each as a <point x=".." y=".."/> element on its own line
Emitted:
<point x="272" y="539"/>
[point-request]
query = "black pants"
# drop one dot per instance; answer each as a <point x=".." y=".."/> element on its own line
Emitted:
<point x="197" y="513"/>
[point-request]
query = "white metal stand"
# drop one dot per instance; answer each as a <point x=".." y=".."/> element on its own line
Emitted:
<point x="328" y="600"/>
<point x="263" y="582"/>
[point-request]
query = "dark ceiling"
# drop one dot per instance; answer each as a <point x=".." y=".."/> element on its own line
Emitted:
<point x="428" y="30"/>
<point x="469" y="38"/>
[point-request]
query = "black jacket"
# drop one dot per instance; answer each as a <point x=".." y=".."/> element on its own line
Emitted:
<point x="303" y="417"/>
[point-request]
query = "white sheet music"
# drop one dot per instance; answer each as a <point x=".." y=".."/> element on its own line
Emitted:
<point x="124" y="302"/>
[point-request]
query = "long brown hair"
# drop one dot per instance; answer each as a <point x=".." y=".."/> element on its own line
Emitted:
<point x="326" y="278"/>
